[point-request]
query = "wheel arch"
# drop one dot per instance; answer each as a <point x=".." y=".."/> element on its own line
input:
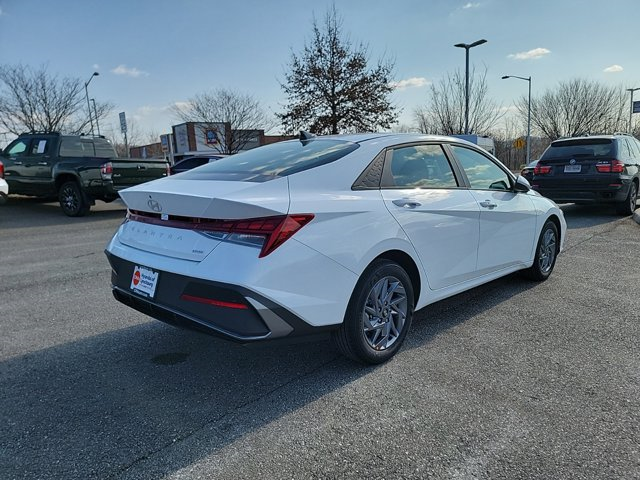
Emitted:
<point x="554" y="218"/>
<point x="409" y="265"/>
<point x="63" y="178"/>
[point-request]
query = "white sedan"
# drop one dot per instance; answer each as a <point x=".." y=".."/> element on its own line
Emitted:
<point x="341" y="234"/>
<point x="4" y="187"/>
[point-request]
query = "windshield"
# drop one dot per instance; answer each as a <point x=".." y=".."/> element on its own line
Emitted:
<point x="271" y="161"/>
<point x="600" y="147"/>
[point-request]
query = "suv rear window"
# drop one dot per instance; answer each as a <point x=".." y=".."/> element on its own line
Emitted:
<point x="590" y="147"/>
<point x="276" y="160"/>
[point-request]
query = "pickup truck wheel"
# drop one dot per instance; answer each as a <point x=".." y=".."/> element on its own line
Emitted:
<point x="72" y="200"/>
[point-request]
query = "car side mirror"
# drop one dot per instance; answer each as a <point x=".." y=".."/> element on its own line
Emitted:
<point x="522" y="184"/>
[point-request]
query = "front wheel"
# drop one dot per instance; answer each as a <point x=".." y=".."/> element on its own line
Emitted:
<point x="628" y="205"/>
<point x="72" y="200"/>
<point x="379" y="314"/>
<point x="546" y="253"/>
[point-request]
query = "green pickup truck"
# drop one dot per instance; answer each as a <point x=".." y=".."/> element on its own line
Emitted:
<point x="78" y="170"/>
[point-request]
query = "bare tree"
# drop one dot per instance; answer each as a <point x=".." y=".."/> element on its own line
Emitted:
<point x="243" y="113"/>
<point x="577" y="107"/>
<point x="330" y="88"/>
<point x="33" y="100"/>
<point x="444" y="112"/>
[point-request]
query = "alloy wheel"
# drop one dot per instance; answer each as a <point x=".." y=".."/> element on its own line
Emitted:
<point x="385" y="313"/>
<point x="547" y="250"/>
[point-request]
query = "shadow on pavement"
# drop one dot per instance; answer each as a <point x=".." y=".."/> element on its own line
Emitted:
<point x="103" y="405"/>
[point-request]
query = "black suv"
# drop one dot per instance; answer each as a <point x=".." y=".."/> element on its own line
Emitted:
<point x="588" y="170"/>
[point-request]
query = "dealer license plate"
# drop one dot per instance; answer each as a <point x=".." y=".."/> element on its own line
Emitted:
<point x="144" y="281"/>
<point x="572" y="168"/>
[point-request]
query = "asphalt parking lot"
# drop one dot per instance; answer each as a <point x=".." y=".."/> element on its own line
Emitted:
<point x="511" y="380"/>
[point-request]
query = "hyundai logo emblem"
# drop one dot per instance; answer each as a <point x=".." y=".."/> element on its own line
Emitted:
<point x="572" y="161"/>
<point x="154" y="205"/>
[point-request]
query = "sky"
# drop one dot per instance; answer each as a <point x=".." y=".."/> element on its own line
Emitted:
<point x="153" y="54"/>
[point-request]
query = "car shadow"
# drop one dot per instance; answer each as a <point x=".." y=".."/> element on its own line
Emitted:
<point x="585" y="216"/>
<point x="27" y="212"/>
<point x="111" y="403"/>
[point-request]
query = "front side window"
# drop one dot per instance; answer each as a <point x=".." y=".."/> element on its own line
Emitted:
<point x="483" y="173"/>
<point x="421" y="166"/>
<point x="17" y="148"/>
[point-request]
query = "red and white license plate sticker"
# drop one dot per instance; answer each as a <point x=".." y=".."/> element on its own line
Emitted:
<point x="144" y="281"/>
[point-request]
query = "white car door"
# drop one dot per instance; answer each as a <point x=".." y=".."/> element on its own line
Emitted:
<point x="440" y="218"/>
<point x="507" y="218"/>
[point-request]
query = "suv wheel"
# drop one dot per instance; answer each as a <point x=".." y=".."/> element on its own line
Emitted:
<point x="628" y="205"/>
<point x="72" y="200"/>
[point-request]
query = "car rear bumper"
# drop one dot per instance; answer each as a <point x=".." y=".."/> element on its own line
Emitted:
<point x="610" y="192"/>
<point x="220" y="309"/>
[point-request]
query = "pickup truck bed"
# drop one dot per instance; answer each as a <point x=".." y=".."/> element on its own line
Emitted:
<point x="78" y="170"/>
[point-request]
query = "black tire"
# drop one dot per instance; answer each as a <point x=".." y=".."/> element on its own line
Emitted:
<point x="72" y="200"/>
<point x="386" y="326"/>
<point x="628" y="205"/>
<point x="546" y="253"/>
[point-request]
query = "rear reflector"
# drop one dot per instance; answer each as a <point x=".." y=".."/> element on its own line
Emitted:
<point x="215" y="303"/>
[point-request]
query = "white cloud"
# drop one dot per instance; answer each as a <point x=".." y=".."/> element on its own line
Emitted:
<point x="130" y="72"/>
<point x="531" y="54"/>
<point x="469" y="5"/>
<point x="613" y="69"/>
<point x="413" y="82"/>
<point x="0" y="10"/>
<point x="96" y="66"/>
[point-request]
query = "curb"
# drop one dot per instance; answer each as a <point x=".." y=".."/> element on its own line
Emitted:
<point x="636" y="217"/>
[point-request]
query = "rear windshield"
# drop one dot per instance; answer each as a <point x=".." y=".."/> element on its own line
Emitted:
<point x="596" y="147"/>
<point x="271" y="161"/>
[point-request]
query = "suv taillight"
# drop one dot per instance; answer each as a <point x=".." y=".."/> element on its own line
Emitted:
<point x="542" y="169"/>
<point x="615" y="166"/>
<point x="1" y="170"/>
<point x="106" y="170"/>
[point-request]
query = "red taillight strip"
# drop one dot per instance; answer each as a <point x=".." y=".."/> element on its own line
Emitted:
<point x="215" y="303"/>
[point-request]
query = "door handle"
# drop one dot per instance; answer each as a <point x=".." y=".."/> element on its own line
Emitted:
<point x="43" y="163"/>
<point x="141" y="167"/>
<point x="488" y="204"/>
<point x="405" y="203"/>
<point x="17" y="163"/>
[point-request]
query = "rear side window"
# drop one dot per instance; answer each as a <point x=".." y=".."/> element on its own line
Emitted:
<point x="421" y="166"/>
<point x="276" y="160"/>
<point x="75" y="147"/>
<point x="104" y="149"/>
<point x="587" y="147"/>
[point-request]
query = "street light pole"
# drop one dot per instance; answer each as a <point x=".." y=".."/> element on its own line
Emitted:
<point x="86" y="92"/>
<point x="95" y="111"/>
<point x="631" y="108"/>
<point x="528" y="79"/>
<point x="467" y="47"/>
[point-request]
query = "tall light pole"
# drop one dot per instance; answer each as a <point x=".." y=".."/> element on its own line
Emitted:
<point x="95" y="111"/>
<point x="466" y="47"/>
<point x="631" y="108"/>
<point x="528" y="79"/>
<point x="86" y="92"/>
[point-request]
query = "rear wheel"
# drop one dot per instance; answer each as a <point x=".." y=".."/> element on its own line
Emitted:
<point x="379" y="314"/>
<point x="72" y="200"/>
<point x="546" y="253"/>
<point x="628" y="205"/>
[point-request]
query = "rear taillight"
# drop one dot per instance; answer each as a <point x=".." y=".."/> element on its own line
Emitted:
<point x="1" y="170"/>
<point x="542" y="169"/>
<point x="615" y="166"/>
<point x="267" y="233"/>
<point x="106" y="170"/>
